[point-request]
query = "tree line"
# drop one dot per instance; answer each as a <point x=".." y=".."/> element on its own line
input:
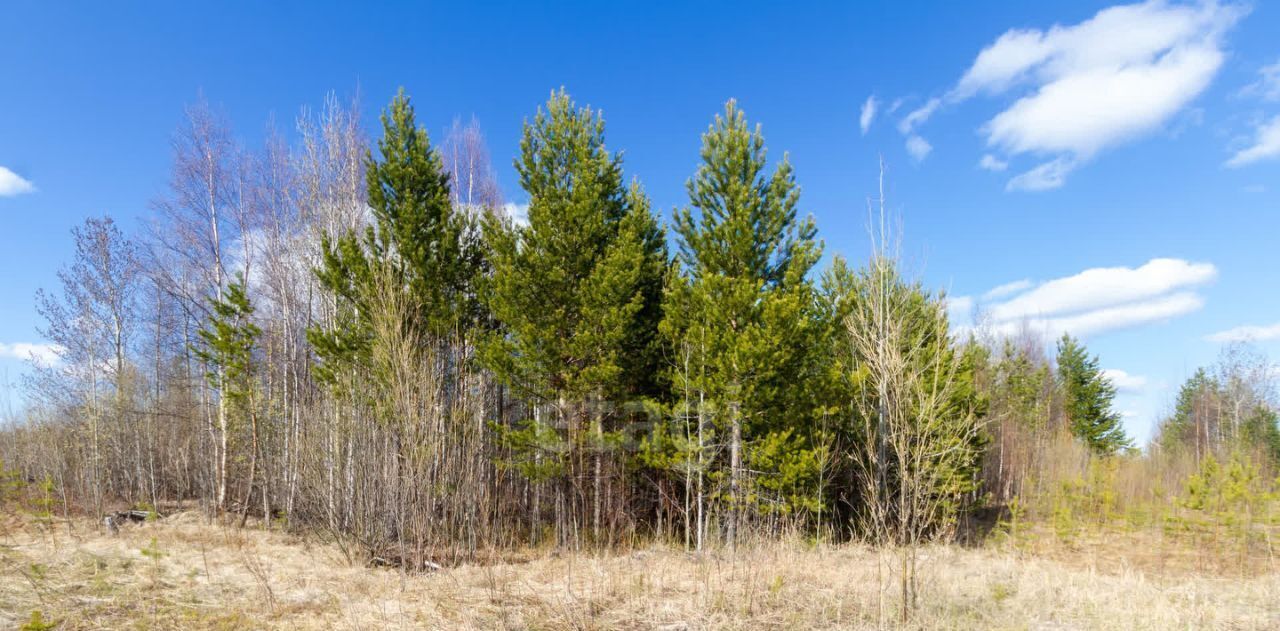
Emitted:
<point x="352" y="337"/>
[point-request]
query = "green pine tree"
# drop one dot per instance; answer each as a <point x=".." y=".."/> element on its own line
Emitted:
<point x="228" y="343"/>
<point x="226" y="346"/>
<point x="742" y="308"/>
<point x="1088" y="395"/>
<point x="430" y="249"/>
<point x="576" y="293"/>
<point x="1021" y="384"/>
<point x="1197" y="398"/>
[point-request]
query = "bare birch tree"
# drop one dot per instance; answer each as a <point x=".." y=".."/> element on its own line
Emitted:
<point x="191" y="241"/>
<point x="92" y="321"/>
<point x="918" y="445"/>
<point x="474" y="185"/>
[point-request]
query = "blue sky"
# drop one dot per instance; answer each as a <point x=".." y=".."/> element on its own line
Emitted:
<point x="1113" y="168"/>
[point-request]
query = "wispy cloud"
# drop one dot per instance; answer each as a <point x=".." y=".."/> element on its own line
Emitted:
<point x="919" y="116"/>
<point x="868" y="115"/>
<point x="992" y="163"/>
<point x="1099" y="299"/>
<point x="1124" y="381"/>
<point x="1045" y="177"/>
<point x="1081" y="89"/>
<point x="1267" y="86"/>
<point x="919" y="148"/>
<point x="1265" y="145"/>
<point x="1247" y="333"/>
<point x="12" y="184"/>
<point x="1007" y="289"/>
<point x="44" y="354"/>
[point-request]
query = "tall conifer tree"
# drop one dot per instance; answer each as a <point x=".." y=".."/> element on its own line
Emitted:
<point x="430" y="248"/>
<point x="1088" y="394"/>
<point x="575" y="292"/>
<point x="743" y="301"/>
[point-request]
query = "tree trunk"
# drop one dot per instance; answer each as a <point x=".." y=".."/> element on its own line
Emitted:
<point x="222" y="440"/>
<point x="599" y="470"/>
<point x="735" y="473"/>
<point x="253" y="466"/>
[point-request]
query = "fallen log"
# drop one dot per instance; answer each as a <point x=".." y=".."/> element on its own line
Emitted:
<point x="113" y="521"/>
<point x="422" y="566"/>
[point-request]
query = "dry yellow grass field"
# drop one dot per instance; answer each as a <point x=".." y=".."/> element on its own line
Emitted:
<point x="181" y="573"/>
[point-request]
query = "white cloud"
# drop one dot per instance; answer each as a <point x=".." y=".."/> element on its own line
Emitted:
<point x="1103" y="286"/>
<point x="1000" y="64"/>
<point x="1267" y="87"/>
<point x="868" y="115"/>
<point x="12" y="184"/>
<point x="1254" y="188"/>
<point x="1124" y="381"/>
<point x="1100" y="299"/>
<point x="918" y="147"/>
<point x="1247" y="333"/>
<point x="959" y="308"/>
<point x="519" y="213"/>
<point x="918" y="116"/>
<point x="1083" y="112"/>
<point x="1107" y="318"/>
<point x="1047" y="176"/>
<point x="43" y="354"/>
<point x="1266" y="144"/>
<point x="992" y="163"/>
<point x="1007" y="289"/>
<point x="1083" y="88"/>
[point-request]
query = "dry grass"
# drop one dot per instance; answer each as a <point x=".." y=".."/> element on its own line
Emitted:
<point x="182" y="573"/>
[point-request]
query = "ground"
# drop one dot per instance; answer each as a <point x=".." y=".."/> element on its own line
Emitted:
<point x="181" y="572"/>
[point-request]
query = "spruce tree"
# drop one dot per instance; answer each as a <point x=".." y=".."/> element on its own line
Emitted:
<point x="743" y="305"/>
<point x="576" y="293"/>
<point x="1088" y="395"/>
